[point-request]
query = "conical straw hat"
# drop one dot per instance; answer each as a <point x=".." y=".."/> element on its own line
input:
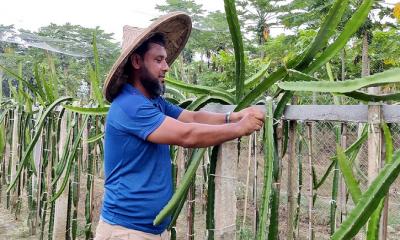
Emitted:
<point x="176" y="28"/>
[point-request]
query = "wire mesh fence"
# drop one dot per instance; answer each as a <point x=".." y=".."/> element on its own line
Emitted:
<point x="324" y="142"/>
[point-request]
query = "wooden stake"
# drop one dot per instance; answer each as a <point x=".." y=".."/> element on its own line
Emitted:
<point x="342" y="184"/>
<point x="311" y="184"/>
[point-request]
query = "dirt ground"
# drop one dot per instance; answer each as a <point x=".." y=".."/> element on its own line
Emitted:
<point x="10" y="228"/>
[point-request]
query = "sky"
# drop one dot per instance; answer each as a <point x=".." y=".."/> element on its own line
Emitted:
<point x="111" y="16"/>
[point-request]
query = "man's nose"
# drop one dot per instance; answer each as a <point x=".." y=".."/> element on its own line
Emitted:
<point x="165" y="66"/>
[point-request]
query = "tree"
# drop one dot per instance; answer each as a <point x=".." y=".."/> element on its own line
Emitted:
<point x="259" y="16"/>
<point x="212" y="29"/>
<point x="304" y="13"/>
<point x="194" y="10"/>
<point x="68" y="47"/>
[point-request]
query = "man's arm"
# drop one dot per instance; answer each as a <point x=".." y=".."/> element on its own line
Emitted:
<point x="213" y="118"/>
<point x="175" y="132"/>
<point x="205" y="117"/>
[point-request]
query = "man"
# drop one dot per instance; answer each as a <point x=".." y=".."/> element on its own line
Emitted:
<point x="141" y="125"/>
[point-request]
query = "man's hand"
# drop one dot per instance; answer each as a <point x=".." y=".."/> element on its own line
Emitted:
<point x="252" y="120"/>
<point x="237" y="116"/>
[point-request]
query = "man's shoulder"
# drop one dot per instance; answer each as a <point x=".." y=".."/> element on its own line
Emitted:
<point x="126" y="98"/>
<point x="129" y="104"/>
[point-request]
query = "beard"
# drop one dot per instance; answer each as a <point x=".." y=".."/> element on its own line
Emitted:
<point x="152" y="85"/>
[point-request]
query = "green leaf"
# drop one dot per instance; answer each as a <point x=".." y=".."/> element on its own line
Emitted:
<point x="28" y="84"/>
<point x="210" y="219"/>
<point x="325" y="32"/>
<point x="203" y="90"/>
<point x="254" y="79"/>
<point x="355" y="147"/>
<point x="175" y="93"/>
<point x="94" y="74"/>
<point x="38" y="132"/>
<point x="172" y="100"/>
<point x="236" y="35"/>
<point x="53" y="79"/>
<point x="373" y="98"/>
<point x="350" y="180"/>
<point x="336" y="99"/>
<point x="388" y="143"/>
<point x="181" y="189"/>
<point x="374" y="222"/>
<point x="95" y="138"/>
<point x="206" y="99"/>
<point x="296" y="76"/>
<point x="280" y="107"/>
<point x="352" y="151"/>
<point x="39" y="84"/>
<point x="389" y="76"/>
<point x="261" y="88"/>
<point x="70" y="160"/>
<point x="47" y="88"/>
<point x="60" y="167"/>
<point x="325" y="176"/>
<point x="186" y="103"/>
<point x="178" y="210"/>
<point x="269" y="154"/>
<point x="369" y="201"/>
<point x="301" y="61"/>
<point x="88" y="111"/>
<point x="1" y="88"/>
<point x="2" y="140"/>
<point x="351" y="27"/>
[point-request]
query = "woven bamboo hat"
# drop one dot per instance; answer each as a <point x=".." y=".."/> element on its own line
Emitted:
<point x="176" y="28"/>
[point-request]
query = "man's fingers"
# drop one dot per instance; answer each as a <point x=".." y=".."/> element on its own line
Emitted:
<point x="259" y="124"/>
<point x="260" y="115"/>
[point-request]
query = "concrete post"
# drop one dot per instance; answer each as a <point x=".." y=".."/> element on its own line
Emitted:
<point x="225" y="195"/>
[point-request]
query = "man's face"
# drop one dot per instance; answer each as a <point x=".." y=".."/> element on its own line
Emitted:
<point x="154" y="69"/>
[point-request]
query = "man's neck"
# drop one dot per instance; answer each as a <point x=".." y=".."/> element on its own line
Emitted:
<point x="138" y="85"/>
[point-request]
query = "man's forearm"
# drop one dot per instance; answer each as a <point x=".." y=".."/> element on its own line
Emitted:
<point x="214" y="118"/>
<point x="204" y="135"/>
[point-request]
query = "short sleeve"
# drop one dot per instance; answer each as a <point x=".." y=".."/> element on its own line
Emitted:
<point x="171" y="110"/>
<point x="141" y="122"/>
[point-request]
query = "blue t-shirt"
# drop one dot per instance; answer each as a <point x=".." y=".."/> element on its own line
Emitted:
<point x="138" y="175"/>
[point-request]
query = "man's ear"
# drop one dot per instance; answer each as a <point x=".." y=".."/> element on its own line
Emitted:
<point x="136" y="61"/>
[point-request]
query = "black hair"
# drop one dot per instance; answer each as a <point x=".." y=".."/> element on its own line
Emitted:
<point x="157" y="38"/>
